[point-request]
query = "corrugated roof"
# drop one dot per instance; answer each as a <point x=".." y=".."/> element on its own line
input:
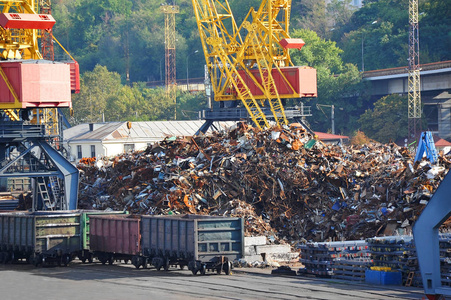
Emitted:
<point x="100" y="133"/>
<point x="152" y="130"/>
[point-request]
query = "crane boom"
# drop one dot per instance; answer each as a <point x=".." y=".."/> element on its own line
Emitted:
<point x="251" y="62"/>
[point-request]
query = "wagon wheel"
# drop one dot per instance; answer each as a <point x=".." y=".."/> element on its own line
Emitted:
<point x="228" y="268"/>
<point x="37" y="260"/>
<point x="66" y="260"/>
<point x="136" y="262"/>
<point x="145" y="262"/>
<point x="203" y="269"/>
<point x="166" y="264"/>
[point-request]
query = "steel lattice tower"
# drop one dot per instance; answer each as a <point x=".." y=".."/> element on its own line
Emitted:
<point x="414" y="105"/>
<point x="170" y="63"/>
<point x="47" y="35"/>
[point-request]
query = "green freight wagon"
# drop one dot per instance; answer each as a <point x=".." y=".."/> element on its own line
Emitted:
<point x="40" y="237"/>
<point x="199" y="242"/>
<point x="86" y="253"/>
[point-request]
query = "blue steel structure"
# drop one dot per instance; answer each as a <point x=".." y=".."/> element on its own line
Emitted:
<point x="426" y="144"/>
<point x="26" y="151"/>
<point x="426" y="237"/>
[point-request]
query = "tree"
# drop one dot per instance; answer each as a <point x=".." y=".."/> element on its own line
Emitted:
<point x="387" y="121"/>
<point x="96" y="88"/>
<point x="338" y="83"/>
<point x="310" y="14"/>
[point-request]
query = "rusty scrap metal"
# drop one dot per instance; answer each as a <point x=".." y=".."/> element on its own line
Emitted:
<point x="284" y="185"/>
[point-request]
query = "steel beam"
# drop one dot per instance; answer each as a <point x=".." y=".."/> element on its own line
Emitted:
<point x="70" y="175"/>
<point x="425" y="232"/>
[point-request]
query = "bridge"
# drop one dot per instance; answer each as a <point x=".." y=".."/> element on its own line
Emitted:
<point x="435" y="91"/>
<point x="435" y="77"/>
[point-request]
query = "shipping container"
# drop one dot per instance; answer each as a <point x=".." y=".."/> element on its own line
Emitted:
<point x="199" y="242"/>
<point x="115" y="237"/>
<point x="40" y="237"/>
<point x="36" y="83"/>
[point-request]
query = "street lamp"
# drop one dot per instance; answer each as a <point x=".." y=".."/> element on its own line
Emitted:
<point x="187" y="70"/>
<point x="363" y="37"/>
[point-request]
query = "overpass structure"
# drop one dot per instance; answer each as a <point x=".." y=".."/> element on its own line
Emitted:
<point x="435" y="91"/>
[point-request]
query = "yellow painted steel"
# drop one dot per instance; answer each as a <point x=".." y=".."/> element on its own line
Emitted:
<point x="19" y="43"/>
<point x="228" y="54"/>
<point x="16" y="103"/>
<point x="23" y="44"/>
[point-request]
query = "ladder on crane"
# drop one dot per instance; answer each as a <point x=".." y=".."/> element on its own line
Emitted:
<point x="44" y="193"/>
<point x="55" y="188"/>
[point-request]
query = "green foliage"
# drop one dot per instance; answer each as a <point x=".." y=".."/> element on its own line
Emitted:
<point x="338" y="83"/>
<point x="97" y="88"/>
<point x="103" y="97"/>
<point x="387" y="121"/>
<point x="112" y="37"/>
<point x="310" y="14"/>
<point x="385" y="43"/>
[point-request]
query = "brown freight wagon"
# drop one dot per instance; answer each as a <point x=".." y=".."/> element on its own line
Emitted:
<point x="116" y="237"/>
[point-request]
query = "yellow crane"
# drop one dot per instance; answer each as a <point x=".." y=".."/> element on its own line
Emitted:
<point x="254" y="68"/>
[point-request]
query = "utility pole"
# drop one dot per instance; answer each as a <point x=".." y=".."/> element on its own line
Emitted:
<point x="332" y="114"/>
<point x="414" y="89"/>
<point x="169" y="44"/>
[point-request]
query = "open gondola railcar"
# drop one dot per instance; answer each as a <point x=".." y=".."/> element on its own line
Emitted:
<point x="200" y="242"/>
<point x="40" y="237"/>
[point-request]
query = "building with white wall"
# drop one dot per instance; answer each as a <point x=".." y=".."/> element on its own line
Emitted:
<point x="114" y="138"/>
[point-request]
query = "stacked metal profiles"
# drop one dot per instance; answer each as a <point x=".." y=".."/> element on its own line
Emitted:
<point x="412" y="266"/>
<point x="445" y="258"/>
<point x="394" y="252"/>
<point x="335" y="258"/>
<point x="353" y="260"/>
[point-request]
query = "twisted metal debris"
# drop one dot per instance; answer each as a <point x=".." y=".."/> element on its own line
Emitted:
<point x="284" y="183"/>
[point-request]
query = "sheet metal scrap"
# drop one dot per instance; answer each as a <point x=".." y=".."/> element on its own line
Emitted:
<point x="282" y="183"/>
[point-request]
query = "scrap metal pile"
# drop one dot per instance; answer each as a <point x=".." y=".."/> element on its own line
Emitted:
<point x="284" y="183"/>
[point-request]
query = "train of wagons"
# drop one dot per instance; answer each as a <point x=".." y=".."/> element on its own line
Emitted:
<point x="201" y="243"/>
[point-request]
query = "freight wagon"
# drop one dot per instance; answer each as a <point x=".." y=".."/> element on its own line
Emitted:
<point x="85" y="253"/>
<point x="39" y="237"/>
<point x="43" y="237"/>
<point x="116" y="237"/>
<point x="200" y="242"/>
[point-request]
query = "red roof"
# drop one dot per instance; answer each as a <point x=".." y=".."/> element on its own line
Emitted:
<point x="328" y="136"/>
<point x="442" y="143"/>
